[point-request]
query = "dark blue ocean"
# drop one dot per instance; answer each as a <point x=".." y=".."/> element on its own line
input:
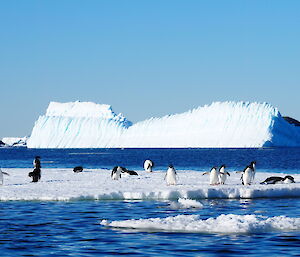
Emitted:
<point x="57" y="228"/>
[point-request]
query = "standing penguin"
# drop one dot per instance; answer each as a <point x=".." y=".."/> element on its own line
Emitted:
<point x="116" y="172"/>
<point x="1" y="176"/>
<point x="247" y="175"/>
<point x="252" y="165"/>
<point x="36" y="173"/>
<point x="213" y="176"/>
<point x="223" y="174"/>
<point x="148" y="165"/>
<point x="171" y="176"/>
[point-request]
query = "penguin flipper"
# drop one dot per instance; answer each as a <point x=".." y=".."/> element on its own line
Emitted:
<point x="5" y="173"/>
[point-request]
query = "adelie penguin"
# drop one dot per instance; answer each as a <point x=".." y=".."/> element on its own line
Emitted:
<point x="116" y="173"/>
<point x="148" y="165"/>
<point x="213" y="176"/>
<point x="129" y="172"/>
<point x="253" y="165"/>
<point x="278" y="180"/>
<point x="36" y="173"/>
<point x="171" y="176"/>
<point x="247" y="175"/>
<point x="78" y="169"/>
<point x="118" y="170"/>
<point x="1" y="176"/>
<point x="223" y="174"/>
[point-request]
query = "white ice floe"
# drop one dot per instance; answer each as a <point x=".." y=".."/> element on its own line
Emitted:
<point x="184" y="203"/>
<point x="229" y="223"/>
<point x="221" y="124"/>
<point x="64" y="184"/>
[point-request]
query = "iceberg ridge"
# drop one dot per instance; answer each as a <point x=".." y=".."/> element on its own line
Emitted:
<point x="221" y="124"/>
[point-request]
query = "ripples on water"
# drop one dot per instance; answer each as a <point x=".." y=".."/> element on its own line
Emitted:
<point x="73" y="229"/>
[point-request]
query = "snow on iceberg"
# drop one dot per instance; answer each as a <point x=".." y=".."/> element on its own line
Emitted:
<point x="229" y="223"/>
<point x="221" y="124"/>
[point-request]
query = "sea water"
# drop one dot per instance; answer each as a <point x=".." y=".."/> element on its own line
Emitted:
<point x="73" y="228"/>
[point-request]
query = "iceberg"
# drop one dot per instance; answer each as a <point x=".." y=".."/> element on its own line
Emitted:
<point x="14" y="141"/>
<point x="221" y="124"/>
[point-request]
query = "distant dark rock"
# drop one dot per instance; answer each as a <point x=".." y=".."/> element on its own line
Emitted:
<point x="1" y="143"/>
<point x="292" y="121"/>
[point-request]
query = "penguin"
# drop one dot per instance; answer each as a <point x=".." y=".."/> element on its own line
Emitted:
<point x="78" y="169"/>
<point x="213" y="176"/>
<point x="148" y="165"/>
<point x="116" y="172"/>
<point x="170" y="176"/>
<point x="129" y="172"/>
<point x="1" y="176"/>
<point x="247" y="175"/>
<point x="35" y="174"/>
<point x="223" y="174"/>
<point x="37" y="162"/>
<point x="253" y="165"/>
<point x="278" y="180"/>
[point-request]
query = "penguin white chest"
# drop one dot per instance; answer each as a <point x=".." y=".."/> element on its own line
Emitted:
<point x="247" y="176"/>
<point x="213" y="177"/>
<point x="116" y="175"/>
<point x="253" y="173"/>
<point x="1" y="178"/>
<point x="171" y="177"/>
<point x="148" y="165"/>
<point x="222" y="178"/>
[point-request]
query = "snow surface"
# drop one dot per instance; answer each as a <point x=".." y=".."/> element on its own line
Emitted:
<point x="229" y="223"/>
<point x="14" y="141"/>
<point x="221" y="124"/>
<point x="64" y="185"/>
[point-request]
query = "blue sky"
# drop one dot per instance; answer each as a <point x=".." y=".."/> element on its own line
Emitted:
<point x="146" y="58"/>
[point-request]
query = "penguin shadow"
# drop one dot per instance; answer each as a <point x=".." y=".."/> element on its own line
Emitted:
<point x="52" y="181"/>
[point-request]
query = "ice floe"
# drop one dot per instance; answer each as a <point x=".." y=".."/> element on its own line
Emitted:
<point x="229" y="223"/>
<point x="64" y="184"/>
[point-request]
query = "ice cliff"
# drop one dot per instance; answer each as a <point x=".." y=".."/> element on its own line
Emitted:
<point x="221" y="124"/>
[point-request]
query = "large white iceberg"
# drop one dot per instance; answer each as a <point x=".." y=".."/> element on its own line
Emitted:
<point x="221" y="124"/>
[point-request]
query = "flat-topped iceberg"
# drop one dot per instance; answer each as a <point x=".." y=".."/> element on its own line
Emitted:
<point x="221" y="124"/>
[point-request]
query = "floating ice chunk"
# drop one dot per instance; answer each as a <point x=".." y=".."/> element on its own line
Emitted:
<point x="229" y="223"/>
<point x="184" y="203"/>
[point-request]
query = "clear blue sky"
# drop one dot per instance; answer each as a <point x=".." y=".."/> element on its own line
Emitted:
<point x="146" y="58"/>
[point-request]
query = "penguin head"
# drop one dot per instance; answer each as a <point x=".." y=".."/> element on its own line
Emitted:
<point x="289" y="179"/>
<point x="171" y="166"/>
